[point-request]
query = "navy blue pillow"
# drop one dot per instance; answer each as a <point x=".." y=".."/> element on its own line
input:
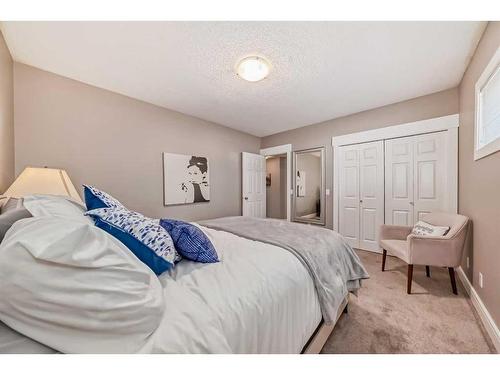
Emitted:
<point x="190" y="241"/>
<point x="150" y="242"/>
<point x="95" y="198"/>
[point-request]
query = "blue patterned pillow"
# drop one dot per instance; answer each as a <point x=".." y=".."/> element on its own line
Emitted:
<point x="190" y="241"/>
<point x="149" y="242"/>
<point x="95" y="198"/>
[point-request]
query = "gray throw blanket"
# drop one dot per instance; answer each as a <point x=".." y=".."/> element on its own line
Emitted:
<point x="333" y="265"/>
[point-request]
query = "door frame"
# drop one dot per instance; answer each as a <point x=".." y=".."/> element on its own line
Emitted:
<point x="279" y="150"/>
<point x="449" y="124"/>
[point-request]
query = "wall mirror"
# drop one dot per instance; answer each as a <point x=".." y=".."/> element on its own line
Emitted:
<point x="309" y="186"/>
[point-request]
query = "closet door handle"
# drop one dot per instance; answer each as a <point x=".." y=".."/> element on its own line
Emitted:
<point x="412" y="204"/>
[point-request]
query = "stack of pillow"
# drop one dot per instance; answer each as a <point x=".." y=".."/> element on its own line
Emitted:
<point x="160" y="244"/>
<point x="71" y="286"/>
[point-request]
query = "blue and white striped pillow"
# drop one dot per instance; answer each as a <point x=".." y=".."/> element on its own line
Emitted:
<point x="149" y="241"/>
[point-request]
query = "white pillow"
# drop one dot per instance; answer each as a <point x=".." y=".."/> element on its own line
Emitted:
<point x="55" y="206"/>
<point x="76" y="289"/>
<point x="422" y="228"/>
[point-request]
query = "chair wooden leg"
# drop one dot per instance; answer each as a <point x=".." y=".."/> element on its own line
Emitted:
<point x="410" y="277"/>
<point x="451" y="270"/>
<point x="384" y="256"/>
<point x="428" y="271"/>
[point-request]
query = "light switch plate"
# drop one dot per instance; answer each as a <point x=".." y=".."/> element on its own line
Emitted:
<point x="327" y="191"/>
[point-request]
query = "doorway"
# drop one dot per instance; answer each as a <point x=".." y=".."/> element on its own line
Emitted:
<point x="276" y="186"/>
<point x="278" y="162"/>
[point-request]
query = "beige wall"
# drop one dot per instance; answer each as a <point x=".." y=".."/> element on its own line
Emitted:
<point x="439" y="104"/>
<point x="116" y="143"/>
<point x="6" y="118"/>
<point x="479" y="184"/>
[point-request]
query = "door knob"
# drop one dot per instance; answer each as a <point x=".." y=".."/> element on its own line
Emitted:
<point x="411" y="203"/>
<point x="246" y="198"/>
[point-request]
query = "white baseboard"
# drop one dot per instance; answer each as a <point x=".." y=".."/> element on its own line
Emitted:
<point x="488" y="322"/>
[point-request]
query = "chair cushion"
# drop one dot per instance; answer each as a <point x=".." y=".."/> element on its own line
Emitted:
<point x="397" y="248"/>
<point x="422" y="228"/>
<point x="454" y="221"/>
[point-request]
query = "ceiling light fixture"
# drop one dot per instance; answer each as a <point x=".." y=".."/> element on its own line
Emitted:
<point x="253" y="68"/>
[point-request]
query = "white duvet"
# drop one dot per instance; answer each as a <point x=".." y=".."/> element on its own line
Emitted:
<point x="258" y="299"/>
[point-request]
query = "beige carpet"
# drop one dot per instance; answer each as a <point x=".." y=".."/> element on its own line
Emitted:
<point x="384" y="319"/>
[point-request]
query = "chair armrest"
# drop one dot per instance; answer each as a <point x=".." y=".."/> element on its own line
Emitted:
<point x="394" y="232"/>
<point x="434" y="251"/>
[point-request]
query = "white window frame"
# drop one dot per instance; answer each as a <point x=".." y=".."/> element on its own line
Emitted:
<point x="493" y="146"/>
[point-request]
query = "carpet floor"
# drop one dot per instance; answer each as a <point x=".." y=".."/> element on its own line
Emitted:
<point x="384" y="319"/>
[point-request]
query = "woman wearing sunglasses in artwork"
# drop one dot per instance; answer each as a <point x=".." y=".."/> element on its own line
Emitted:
<point x="196" y="187"/>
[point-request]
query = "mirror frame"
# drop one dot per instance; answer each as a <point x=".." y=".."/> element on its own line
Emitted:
<point x="322" y="197"/>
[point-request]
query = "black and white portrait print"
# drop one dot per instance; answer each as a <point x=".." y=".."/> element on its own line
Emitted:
<point x="186" y="179"/>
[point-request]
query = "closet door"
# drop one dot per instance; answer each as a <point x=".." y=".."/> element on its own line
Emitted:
<point x="429" y="174"/>
<point x="371" y="193"/>
<point x="399" y="202"/>
<point x="349" y="194"/>
<point x="415" y="175"/>
<point x="361" y="192"/>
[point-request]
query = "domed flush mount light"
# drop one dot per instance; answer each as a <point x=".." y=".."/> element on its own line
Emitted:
<point x="253" y="68"/>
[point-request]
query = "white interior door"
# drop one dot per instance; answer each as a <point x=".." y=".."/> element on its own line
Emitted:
<point x="371" y="193"/>
<point x="254" y="185"/>
<point x="399" y="181"/>
<point x="416" y="177"/>
<point x="429" y="174"/>
<point x="349" y="194"/>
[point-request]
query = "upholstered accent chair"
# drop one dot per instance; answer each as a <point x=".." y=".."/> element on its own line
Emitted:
<point x="443" y="251"/>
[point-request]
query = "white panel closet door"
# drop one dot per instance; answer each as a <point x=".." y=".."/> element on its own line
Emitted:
<point x="399" y="181"/>
<point x="254" y="185"/>
<point x="429" y="174"/>
<point x="371" y="193"/>
<point x="361" y="192"/>
<point x="349" y="194"/>
<point x="415" y="177"/>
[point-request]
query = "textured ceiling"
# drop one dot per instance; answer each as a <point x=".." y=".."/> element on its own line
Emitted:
<point x="320" y="70"/>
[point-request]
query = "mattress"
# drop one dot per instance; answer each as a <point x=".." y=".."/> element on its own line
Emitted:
<point x="258" y="299"/>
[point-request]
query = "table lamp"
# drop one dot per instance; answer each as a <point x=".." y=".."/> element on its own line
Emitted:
<point x="42" y="181"/>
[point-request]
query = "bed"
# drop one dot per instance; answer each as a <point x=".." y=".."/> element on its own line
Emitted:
<point x="260" y="298"/>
